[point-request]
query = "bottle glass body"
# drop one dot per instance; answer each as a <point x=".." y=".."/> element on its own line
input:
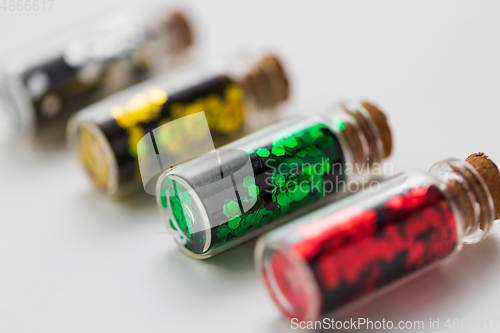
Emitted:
<point x="221" y="199"/>
<point x="40" y="90"/>
<point x="347" y="251"/>
<point x="107" y="134"/>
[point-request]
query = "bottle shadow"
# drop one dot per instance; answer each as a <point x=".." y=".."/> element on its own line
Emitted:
<point x="49" y="141"/>
<point x="235" y="261"/>
<point x="138" y="200"/>
<point x="229" y="270"/>
<point x="32" y="147"/>
<point x="139" y="208"/>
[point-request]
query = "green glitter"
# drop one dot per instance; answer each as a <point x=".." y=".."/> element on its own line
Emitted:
<point x="291" y="142"/>
<point x="231" y="209"/>
<point x="183" y="223"/>
<point x="248" y="180"/>
<point x="308" y="139"/>
<point x="299" y="159"/>
<point x="253" y="191"/>
<point x="263" y="152"/>
<point x="339" y="124"/>
<point x="278" y="150"/>
<point x="316" y="132"/>
<point x="308" y="169"/>
<point x="234" y="223"/>
<point x="172" y="224"/>
<point x="300" y="192"/>
<point x="223" y="232"/>
<point x="283" y="199"/>
<point x="178" y="188"/>
<point x="163" y="196"/>
<point x="179" y="198"/>
<point x="292" y="169"/>
<point x="327" y="167"/>
<point x="278" y="180"/>
<point x="302" y="153"/>
<point x="187" y="197"/>
<point x="274" y="194"/>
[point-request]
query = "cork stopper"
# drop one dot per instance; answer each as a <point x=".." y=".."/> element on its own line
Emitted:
<point x="266" y="81"/>
<point x="180" y="31"/>
<point x="380" y="120"/>
<point x="274" y="66"/>
<point x="490" y="174"/>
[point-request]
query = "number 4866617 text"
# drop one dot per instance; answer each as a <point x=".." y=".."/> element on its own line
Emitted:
<point x="26" y="5"/>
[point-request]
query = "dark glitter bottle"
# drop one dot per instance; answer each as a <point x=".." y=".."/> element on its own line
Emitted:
<point x="40" y="90"/>
<point x="223" y="198"/>
<point x="343" y="252"/>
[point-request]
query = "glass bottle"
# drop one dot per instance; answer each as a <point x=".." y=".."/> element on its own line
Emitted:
<point x="223" y="198"/>
<point x="346" y="251"/>
<point x="233" y="95"/>
<point x="40" y="90"/>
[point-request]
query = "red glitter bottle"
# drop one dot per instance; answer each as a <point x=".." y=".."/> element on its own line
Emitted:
<point x="334" y="257"/>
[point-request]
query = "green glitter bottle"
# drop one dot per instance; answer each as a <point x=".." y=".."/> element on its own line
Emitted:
<point x="256" y="183"/>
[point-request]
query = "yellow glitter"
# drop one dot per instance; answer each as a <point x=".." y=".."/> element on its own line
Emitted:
<point x="142" y="108"/>
<point x="93" y="158"/>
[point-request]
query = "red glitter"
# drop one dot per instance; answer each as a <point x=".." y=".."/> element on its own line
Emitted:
<point x="360" y="249"/>
<point x="289" y="284"/>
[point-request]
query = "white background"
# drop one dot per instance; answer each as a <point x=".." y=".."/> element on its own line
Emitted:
<point x="71" y="260"/>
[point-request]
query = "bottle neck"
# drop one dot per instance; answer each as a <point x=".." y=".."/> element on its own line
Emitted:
<point x="263" y="79"/>
<point x="359" y="133"/>
<point x="171" y="28"/>
<point x="177" y="32"/>
<point x="469" y="194"/>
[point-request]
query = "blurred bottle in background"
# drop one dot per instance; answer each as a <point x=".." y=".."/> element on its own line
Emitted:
<point x="41" y="86"/>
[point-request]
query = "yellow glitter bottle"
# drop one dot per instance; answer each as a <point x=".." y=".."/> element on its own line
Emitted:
<point x="236" y="97"/>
